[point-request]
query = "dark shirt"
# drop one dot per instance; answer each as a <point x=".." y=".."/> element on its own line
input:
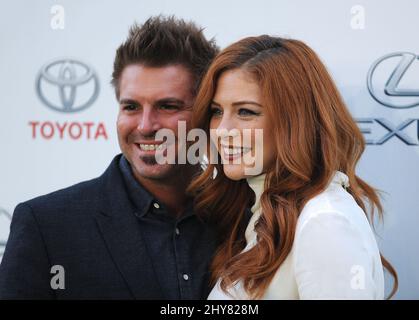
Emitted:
<point x="181" y="248"/>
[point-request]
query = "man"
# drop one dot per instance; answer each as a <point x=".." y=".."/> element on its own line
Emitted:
<point x="131" y="233"/>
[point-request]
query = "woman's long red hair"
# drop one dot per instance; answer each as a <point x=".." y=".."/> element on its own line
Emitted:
<point x="314" y="135"/>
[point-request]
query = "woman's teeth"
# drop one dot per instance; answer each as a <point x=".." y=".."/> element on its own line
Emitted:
<point x="151" y="147"/>
<point x="235" y="151"/>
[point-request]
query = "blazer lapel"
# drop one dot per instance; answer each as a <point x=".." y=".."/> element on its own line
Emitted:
<point x="122" y="235"/>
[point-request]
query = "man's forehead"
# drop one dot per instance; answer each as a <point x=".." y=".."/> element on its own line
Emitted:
<point x="173" y="80"/>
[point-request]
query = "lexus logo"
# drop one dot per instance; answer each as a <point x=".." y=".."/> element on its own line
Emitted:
<point x="5" y="218"/>
<point x="389" y="94"/>
<point x="67" y="85"/>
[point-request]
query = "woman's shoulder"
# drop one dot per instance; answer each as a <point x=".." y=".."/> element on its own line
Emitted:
<point x="333" y="241"/>
<point x="334" y="203"/>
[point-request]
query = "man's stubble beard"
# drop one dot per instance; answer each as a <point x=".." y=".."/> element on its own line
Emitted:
<point x="169" y="173"/>
<point x="149" y="160"/>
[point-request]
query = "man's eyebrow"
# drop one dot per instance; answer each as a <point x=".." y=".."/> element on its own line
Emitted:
<point x="158" y="102"/>
<point x="176" y="101"/>
<point x="128" y="101"/>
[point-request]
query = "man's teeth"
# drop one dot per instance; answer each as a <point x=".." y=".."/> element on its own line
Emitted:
<point x="235" y="151"/>
<point x="151" y="147"/>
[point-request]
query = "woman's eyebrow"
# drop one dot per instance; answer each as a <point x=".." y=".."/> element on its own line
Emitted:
<point x="239" y="103"/>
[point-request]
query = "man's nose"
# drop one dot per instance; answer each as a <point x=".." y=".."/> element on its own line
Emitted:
<point x="149" y="122"/>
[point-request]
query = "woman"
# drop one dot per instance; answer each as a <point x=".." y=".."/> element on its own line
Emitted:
<point x="309" y="235"/>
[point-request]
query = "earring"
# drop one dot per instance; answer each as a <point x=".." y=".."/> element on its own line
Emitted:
<point x="214" y="173"/>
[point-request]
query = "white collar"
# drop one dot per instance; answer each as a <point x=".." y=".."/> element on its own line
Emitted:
<point x="341" y="178"/>
<point x="257" y="184"/>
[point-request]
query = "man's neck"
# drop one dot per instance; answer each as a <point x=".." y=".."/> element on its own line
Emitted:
<point x="170" y="192"/>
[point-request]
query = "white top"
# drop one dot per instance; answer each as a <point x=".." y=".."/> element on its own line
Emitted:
<point x="334" y="254"/>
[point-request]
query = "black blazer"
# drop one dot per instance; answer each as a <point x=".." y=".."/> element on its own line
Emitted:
<point x="90" y="230"/>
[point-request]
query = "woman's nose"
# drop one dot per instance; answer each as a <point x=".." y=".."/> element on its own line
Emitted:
<point x="227" y="128"/>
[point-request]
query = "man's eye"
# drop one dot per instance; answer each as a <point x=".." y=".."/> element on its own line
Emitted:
<point x="246" y="112"/>
<point x="130" y="107"/>
<point x="169" y="107"/>
<point x="216" y="112"/>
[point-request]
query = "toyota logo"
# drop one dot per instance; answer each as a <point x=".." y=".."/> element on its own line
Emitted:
<point x="67" y="85"/>
<point x="389" y="93"/>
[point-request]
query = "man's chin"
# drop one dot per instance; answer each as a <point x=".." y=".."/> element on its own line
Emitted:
<point x="150" y="169"/>
<point x="149" y="161"/>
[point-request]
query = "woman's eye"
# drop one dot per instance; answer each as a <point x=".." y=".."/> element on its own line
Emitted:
<point x="216" y="112"/>
<point x="246" y="112"/>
